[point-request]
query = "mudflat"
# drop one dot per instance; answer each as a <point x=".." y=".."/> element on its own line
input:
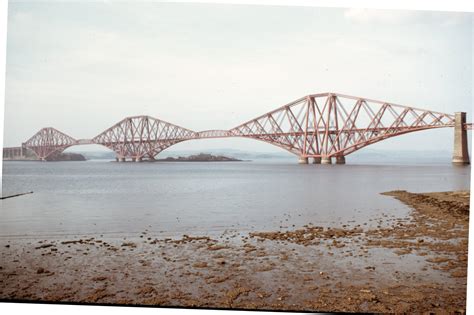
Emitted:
<point x="413" y="264"/>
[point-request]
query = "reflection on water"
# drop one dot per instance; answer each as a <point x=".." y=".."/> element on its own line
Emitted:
<point x="206" y="198"/>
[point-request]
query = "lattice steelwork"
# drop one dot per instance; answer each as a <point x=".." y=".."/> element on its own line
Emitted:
<point x="322" y="125"/>
<point x="213" y="134"/>
<point x="142" y="136"/>
<point x="329" y="124"/>
<point x="48" y="141"/>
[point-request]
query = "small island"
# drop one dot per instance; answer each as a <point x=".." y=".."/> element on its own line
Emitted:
<point x="202" y="157"/>
<point x="66" y="157"/>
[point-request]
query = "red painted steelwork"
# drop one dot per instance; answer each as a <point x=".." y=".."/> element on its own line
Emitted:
<point x="214" y="134"/>
<point x="321" y="125"/>
<point x="142" y="136"/>
<point x="47" y="141"/>
<point x="330" y="124"/>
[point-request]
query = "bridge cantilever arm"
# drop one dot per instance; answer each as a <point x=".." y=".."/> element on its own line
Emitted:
<point x="392" y="104"/>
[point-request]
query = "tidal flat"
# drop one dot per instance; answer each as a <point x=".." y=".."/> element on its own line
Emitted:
<point x="412" y="264"/>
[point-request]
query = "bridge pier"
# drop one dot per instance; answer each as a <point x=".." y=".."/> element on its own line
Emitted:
<point x="340" y="160"/>
<point x="460" y="153"/>
<point x="138" y="159"/>
<point x="13" y="153"/>
<point x="303" y="160"/>
<point x="120" y="159"/>
<point x="316" y="160"/>
<point x="326" y="160"/>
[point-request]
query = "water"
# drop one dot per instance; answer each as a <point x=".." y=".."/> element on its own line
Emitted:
<point x="84" y="198"/>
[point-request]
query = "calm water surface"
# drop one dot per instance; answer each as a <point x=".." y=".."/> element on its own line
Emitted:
<point x="206" y="198"/>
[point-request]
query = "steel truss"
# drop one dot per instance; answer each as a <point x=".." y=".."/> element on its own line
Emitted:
<point x="330" y="124"/>
<point x="319" y="125"/>
<point x="142" y="136"/>
<point x="48" y="141"/>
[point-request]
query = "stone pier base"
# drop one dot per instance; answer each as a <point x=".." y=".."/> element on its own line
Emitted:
<point x="317" y="160"/>
<point x="340" y="160"/>
<point x="303" y="160"/>
<point x="326" y="160"/>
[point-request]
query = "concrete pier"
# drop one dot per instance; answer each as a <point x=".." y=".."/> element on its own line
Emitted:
<point x="340" y="160"/>
<point x="316" y="160"/>
<point x="303" y="160"/>
<point x="460" y="153"/>
<point x="121" y="159"/>
<point x="138" y="159"/>
<point x="326" y="160"/>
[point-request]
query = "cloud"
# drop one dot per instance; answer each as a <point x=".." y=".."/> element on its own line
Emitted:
<point x="379" y="16"/>
<point x="397" y="17"/>
<point x="201" y="67"/>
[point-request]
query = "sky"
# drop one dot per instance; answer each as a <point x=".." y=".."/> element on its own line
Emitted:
<point x="81" y="67"/>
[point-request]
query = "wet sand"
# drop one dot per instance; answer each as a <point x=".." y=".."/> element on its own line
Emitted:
<point x="412" y="264"/>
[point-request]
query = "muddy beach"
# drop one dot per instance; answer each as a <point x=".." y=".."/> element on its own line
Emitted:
<point x="412" y="264"/>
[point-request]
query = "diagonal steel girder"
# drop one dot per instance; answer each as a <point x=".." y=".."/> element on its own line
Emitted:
<point x="317" y="125"/>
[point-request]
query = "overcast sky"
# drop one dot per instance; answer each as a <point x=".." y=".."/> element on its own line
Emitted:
<point x="81" y="67"/>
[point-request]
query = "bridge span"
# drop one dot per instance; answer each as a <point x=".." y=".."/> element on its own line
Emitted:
<point x="324" y="127"/>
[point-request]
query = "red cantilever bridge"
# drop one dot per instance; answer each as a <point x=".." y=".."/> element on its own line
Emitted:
<point x="322" y="126"/>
